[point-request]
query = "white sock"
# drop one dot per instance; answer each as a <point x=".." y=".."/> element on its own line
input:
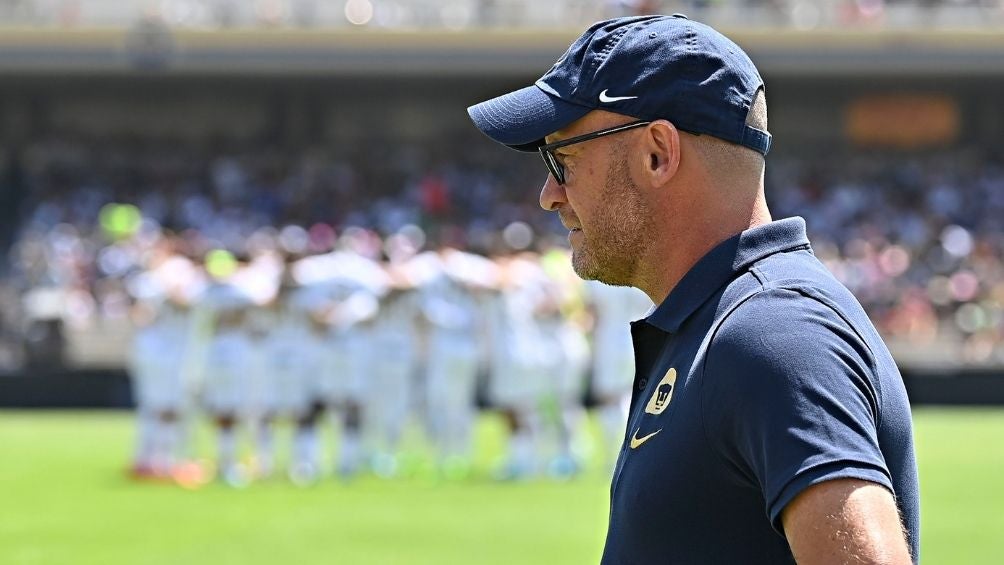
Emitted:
<point x="521" y="449"/>
<point x="572" y="416"/>
<point x="266" y="447"/>
<point x="146" y="426"/>
<point x="170" y="433"/>
<point x="305" y="448"/>
<point x="227" y="449"/>
<point x="350" y="449"/>
<point x="458" y="440"/>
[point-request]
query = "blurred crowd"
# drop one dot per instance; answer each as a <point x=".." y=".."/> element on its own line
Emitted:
<point x="918" y="238"/>
<point x="405" y="283"/>
<point x="460" y="14"/>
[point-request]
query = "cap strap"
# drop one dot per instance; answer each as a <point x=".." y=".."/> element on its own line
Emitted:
<point x="756" y="140"/>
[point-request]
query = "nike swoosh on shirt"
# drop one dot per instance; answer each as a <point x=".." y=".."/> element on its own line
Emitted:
<point x="604" y="98"/>
<point x="637" y="441"/>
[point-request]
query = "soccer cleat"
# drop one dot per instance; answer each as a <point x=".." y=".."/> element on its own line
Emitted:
<point x="384" y="465"/>
<point x="190" y="474"/>
<point x="263" y="468"/>
<point x="236" y="476"/>
<point x="303" y="474"/>
<point x="513" y="471"/>
<point x="141" y="472"/>
<point x="347" y="470"/>
<point x="563" y="467"/>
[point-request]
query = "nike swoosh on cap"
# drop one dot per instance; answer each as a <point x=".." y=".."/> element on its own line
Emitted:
<point x="604" y="98"/>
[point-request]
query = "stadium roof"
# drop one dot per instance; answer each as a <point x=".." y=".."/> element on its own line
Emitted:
<point x="475" y="53"/>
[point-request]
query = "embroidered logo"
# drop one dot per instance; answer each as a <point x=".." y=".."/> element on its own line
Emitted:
<point x="663" y="394"/>
<point x="606" y="99"/>
<point x="637" y="441"/>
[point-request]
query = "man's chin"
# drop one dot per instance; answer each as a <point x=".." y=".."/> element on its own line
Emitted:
<point x="587" y="268"/>
<point x="583" y="266"/>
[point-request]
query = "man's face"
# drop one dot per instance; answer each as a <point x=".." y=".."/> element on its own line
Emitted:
<point x="600" y="203"/>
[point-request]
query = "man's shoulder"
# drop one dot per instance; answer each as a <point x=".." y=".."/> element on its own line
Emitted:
<point x="783" y="284"/>
<point x="796" y="270"/>
<point x="795" y="308"/>
<point x="795" y="325"/>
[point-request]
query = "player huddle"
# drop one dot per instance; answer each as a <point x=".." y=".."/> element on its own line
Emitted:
<point x="371" y="340"/>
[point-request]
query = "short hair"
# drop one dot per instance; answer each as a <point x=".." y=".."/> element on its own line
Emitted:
<point x="757" y="116"/>
<point x="729" y="160"/>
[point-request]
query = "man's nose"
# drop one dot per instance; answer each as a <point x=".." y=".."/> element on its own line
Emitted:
<point x="552" y="194"/>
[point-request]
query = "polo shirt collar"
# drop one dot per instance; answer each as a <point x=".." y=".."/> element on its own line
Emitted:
<point x="722" y="264"/>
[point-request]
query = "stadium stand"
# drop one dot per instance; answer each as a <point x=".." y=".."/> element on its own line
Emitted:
<point x="458" y="14"/>
<point x="220" y="120"/>
<point x="917" y="240"/>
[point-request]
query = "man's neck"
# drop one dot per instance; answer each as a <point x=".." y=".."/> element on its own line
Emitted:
<point x="684" y="246"/>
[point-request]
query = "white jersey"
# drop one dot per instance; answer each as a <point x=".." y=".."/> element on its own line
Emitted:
<point x="226" y="371"/>
<point x="560" y="318"/>
<point x="225" y="357"/>
<point x="393" y="327"/>
<point x="454" y="318"/>
<point x="613" y="353"/>
<point x="157" y="360"/>
<point x="347" y="346"/>
<point x="567" y="363"/>
<point x="393" y="349"/>
<point x="452" y="313"/>
<point x="284" y="375"/>
<point x="518" y="350"/>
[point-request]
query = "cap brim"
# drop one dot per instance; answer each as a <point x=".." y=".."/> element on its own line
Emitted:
<point x="522" y="118"/>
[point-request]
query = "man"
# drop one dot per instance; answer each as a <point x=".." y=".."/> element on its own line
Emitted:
<point x="155" y="364"/>
<point x="768" y="422"/>
<point x="224" y="361"/>
<point x="286" y="371"/>
<point x="389" y="377"/>
<point x="452" y="282"/>
<point x="354" y="283"/>
<point x="516" y="357"/>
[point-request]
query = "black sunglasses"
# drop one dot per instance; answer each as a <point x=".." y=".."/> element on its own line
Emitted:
<point x="555" y="167"/>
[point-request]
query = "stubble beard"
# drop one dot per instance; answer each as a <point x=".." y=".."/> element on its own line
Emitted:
<point x="611" y="250"/>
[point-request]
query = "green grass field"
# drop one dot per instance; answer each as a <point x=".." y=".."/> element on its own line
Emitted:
<point x="65" y="500"/>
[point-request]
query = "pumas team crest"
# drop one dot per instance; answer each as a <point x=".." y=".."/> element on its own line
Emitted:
<point x="663" y="394"/>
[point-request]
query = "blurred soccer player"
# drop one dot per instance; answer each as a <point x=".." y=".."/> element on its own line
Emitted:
<point x="156" y="366"/>
<point x="393" y="355"/>
<point x="450" y="307"/>
<point x="307" y="385"/>
<point x="517" y="359"/>
<point x="561" y="315"/>
<point x="162" y="355"/>
<point x="613" y="308"/>
<point x="353" y="283"/>
<point x="278" y="390"/>
<point x="225" y="367"/>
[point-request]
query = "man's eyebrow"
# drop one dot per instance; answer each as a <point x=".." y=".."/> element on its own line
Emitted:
<point x="556" y="137"/>
<point x="568" y="149"/>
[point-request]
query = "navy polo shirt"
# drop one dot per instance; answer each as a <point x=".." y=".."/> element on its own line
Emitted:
<point x="758" y="376"/>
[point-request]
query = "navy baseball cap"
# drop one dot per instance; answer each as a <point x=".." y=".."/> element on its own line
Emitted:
<point x="648" y="67"/>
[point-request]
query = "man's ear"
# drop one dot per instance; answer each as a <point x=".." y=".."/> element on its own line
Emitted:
<point x="661" y="152"/>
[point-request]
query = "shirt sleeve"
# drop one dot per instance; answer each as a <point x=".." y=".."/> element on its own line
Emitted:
<point x="790" y="398"/>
